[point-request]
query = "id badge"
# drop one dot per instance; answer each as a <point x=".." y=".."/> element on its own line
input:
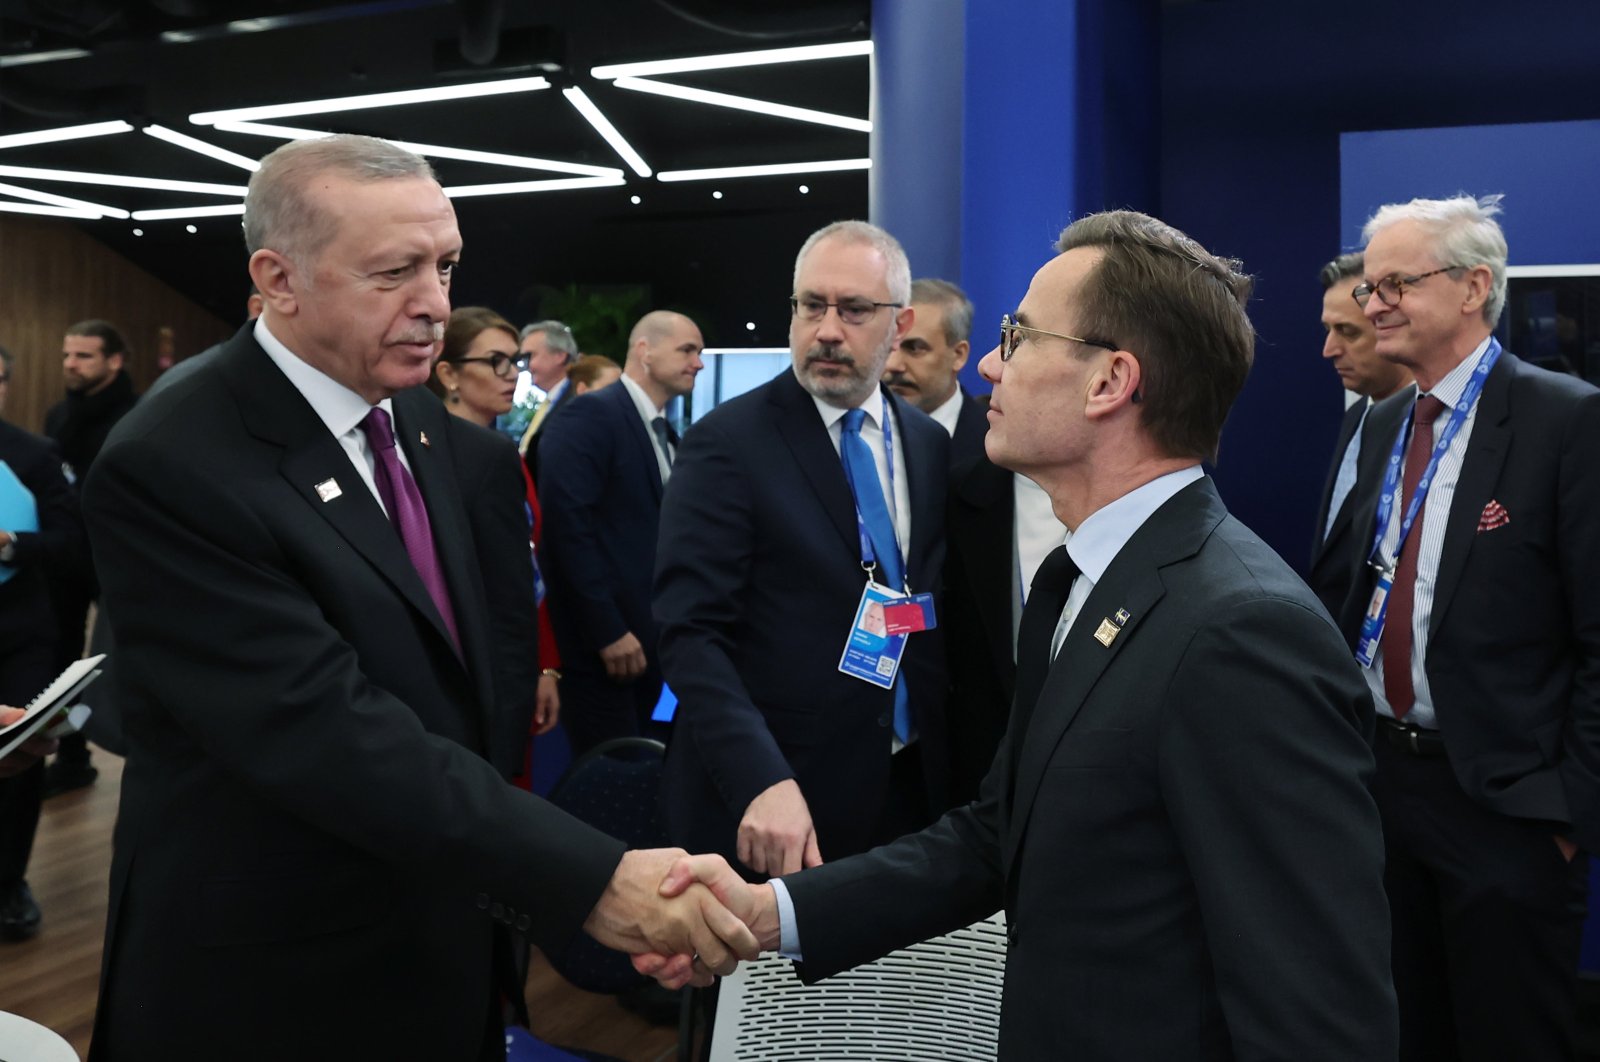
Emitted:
<point x="872" y="653"/>
<point x="1372" y="622"/>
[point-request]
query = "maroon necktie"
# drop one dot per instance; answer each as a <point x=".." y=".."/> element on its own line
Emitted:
<point x="406" y="511"/>
<point x="1396" y="638"/>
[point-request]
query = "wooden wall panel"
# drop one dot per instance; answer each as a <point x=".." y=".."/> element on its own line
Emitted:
<point x="53" y="275"/>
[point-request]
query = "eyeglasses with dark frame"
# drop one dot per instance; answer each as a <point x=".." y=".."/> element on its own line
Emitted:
<point x="851" y="311"/>
<point x="502" y="365"/>
<point x="1392" y="287"/>
<point x="1008" y="337"/>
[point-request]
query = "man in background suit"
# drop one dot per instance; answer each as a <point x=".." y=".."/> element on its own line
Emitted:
<point x="778" y="757"/>
<point x="313" y="846"/>
<point x="1351" y="346"/>
<point x="1484" y="671"/>
<point x="923" y="367"/>
<point x="550" y="348"/>
<point x="1178" y="825"/>
<point x="606" y="462"/>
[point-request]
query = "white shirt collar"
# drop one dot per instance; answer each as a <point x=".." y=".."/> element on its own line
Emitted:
<point x="875" y="405"/>
<point x="949" y="411"/>
<point x="641" y="401"/>
<point x="1450" y="389"/>
<point x="339" y="408"/>
<point x="1098" y="540"/>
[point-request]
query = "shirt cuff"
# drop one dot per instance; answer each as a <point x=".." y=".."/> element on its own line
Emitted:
<point x="788" y="933"/>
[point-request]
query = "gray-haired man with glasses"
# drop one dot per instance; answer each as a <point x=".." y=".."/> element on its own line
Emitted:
<point x="1474" y="613"/>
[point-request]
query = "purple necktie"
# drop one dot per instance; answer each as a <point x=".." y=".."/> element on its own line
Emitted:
<point x="406" y="511"/>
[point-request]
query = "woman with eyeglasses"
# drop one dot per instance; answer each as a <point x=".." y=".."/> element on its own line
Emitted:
<point x="476" y="376"/>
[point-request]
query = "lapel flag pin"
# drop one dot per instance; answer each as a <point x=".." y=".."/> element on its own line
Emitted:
<point x="1107" y="633"/>
<point x="328" y="490"/>
<point x="422" y="437"/>
<point x="1121" y="617"/>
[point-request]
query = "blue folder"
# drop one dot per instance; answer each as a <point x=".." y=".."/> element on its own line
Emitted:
<point x="18" y="510"/>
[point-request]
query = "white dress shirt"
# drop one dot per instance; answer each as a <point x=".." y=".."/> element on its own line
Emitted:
<point x="949" y="412"/>
<point x="1435" y="515"/>
<point x="338" y="407"/>
<point x="876" y="407"/>
<point x="648" y="412"/>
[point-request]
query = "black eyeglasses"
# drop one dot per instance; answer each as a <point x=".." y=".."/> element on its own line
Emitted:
<point x="1392" y="287"/>
<point x="851" y="311"/>
<point x="502" y="365"/>
<point x="1008" y="337"/>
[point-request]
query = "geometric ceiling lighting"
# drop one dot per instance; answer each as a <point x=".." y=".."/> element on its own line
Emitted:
<point x="776" y="169"/>
<point x="732" y="60"/>
<point x="602" y="125"/>
<point x="78" y="205"/>
<point x="50" y="211"/>
<point x="744" y="103"/>
<point x="119" y="181"/>
<point x="174" y="213"/>
<point x="200" y="147"/>
<point x="342" y="104"/>
<point x="71" y="132"/>
<point x="559" y="184"/>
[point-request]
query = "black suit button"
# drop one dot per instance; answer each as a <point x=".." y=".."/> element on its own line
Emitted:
<point x="523" y="922"/>
<point x="482" y="900"/>
<point x="884" y="719"/>
<point x="498" y="912"/>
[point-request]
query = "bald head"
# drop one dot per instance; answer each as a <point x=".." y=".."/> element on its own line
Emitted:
<point x="664" y="355"/>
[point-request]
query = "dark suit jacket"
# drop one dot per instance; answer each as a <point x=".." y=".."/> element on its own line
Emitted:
<point x="971" y="427"/>
<point x="532" y="455"/>
<point x="757" y="580"/>
<point x="980" y="582"/>
<point x="489" y="472"/>
<point x="1513" y="653"/>
<point x="312" y="850"/>
<point x="600" y="489"/>
<point x="1329" y="573"/>
<point x="1180" y="830"/>
<point x="26" y="613"/>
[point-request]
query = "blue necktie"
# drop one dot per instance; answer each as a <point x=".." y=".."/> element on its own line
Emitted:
<point x="861" y="469"/>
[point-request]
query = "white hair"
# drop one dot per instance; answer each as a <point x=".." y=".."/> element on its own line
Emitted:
<point x="1464" y="232"/>
<point x="899" y="269"/>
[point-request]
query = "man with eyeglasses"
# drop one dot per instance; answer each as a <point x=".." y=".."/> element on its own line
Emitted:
<point x="605" y="463"/>
<point x="791" y="509"/>
<point x="1474" y="613"/>
<point x="1178" y="825"/>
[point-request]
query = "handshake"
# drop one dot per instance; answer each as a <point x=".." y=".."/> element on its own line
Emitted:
<point x="684" y="919"/>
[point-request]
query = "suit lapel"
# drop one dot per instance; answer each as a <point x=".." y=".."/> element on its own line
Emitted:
<point x="1347" y="430"/>
<point x="808" y="441"/>
<point x="1480" y="470"/>
<point x="984" y="511"/>
<point x="1133" y="584"/>
<point x="638" y="436"/>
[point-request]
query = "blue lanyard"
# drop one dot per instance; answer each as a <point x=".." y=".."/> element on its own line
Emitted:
<point x="1391" y="476"/>
<point x="869" y="556"/>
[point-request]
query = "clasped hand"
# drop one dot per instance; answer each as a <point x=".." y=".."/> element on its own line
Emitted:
<point x="756" y="907"/>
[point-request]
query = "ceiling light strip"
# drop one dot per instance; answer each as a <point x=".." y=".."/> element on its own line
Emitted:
<point x="118" y="181"/>
<point x="30" y="58"/>
<point x="200" y="147"/>
<point x="61" y="201"/>
<point x="465" y="191"/>
<point x="68" y="132"/>
<point x="774" y="170"/>
<point x="50" y="211"/>
<point x="732" y="60"/>
<point x="744" y="103"/>
<point x="433" y="151"/>
<point x="174" y="213"/>
<point x="603" y="126"/>
<point x="376" y="99"/>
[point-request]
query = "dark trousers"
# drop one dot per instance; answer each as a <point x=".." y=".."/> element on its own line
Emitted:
<point x="1487" y="917"/>
<point x="24" y="671"/>
<point x="594" y="709"/>
<point x="905" y="805"/>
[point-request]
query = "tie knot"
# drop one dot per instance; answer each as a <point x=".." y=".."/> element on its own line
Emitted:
<point x="1057" y="572"/>
<point x="380" y="435"/>
<point x="1428" y="409"/>
<point x="853" y="419"/>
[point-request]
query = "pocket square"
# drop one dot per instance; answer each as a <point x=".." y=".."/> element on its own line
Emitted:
<point x="1494" y="515"/>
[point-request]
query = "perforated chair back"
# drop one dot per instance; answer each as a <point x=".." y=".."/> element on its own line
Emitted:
<point x="933" y="1001"/>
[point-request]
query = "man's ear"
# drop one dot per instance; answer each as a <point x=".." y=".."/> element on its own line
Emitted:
<point x="1114" y="384"/>
<point x="278" y="280"/>
<point x="962" y="349"/>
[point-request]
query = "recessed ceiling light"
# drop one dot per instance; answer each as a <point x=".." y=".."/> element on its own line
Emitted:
<point x="375" y="99"/>
<point x="764" y="171"/>
<point x="432" y="151"/>
<point x="603" y="126"/>
<point x="805" y="189"/>
<point x="464" y="191"/>
<point x="635" y="200"/>
<point x="744" y="103"/>
<point x="119" y="181"/>
<point x="728" y="60"/>
<point x="62" y="201"/>
<point x="750" y="326"/>
<point x="67" y="132"/>
<point x="138" y="232"/>
<point x="190" y="229"/>
<point x="200" y="147"/>
<point x="716" y="195"/>
<point x="178" y="213"/>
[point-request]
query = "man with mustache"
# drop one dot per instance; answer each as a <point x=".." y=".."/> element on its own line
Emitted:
<point x="778" y="502"/>
<point x="922" y="368"/>
<point x="313" y="843"/>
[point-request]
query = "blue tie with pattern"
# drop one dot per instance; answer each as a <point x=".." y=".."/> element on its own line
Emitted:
<point x="861" y="469"/>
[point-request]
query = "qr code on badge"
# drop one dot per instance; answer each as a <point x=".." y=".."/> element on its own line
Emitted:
<point x="885" y="666"/>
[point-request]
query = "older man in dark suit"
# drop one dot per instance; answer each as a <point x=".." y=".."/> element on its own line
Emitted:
<point x="1178" y="824"/>
<point x="1484" y="646"/>
<point x="313" y="846"/>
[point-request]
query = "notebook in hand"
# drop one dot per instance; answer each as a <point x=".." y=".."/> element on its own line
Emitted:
<point x="52" y="704"/>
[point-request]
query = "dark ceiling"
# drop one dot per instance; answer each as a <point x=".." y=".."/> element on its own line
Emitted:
<point x="724" y="259"/>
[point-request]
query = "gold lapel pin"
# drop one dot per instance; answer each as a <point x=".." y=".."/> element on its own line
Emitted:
<point x="1107" y="633"/>
<point x="328" y="490"/>
<point x="422" y="437"/>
